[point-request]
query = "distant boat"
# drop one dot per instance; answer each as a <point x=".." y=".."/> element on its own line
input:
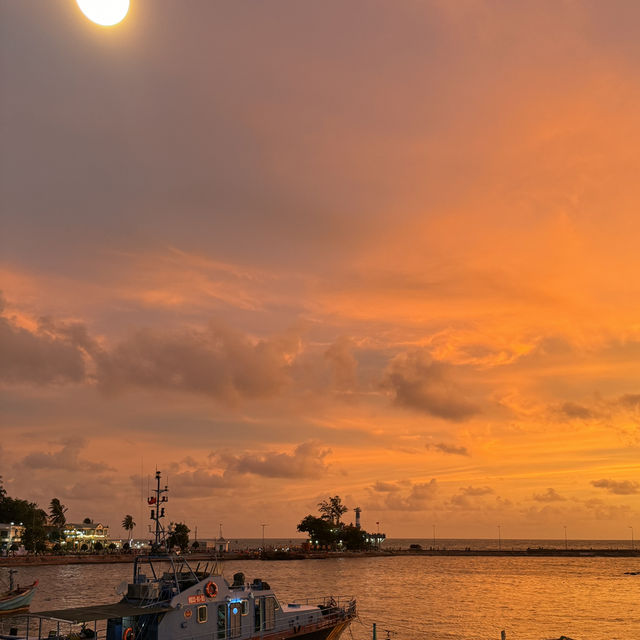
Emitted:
<point x="16" y="598"/>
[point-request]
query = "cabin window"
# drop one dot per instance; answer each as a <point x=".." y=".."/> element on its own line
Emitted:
<point x="245" y="607"/>
<point x="270" y="606"/>
<point x="257" y="612"/>
<point x="265" y="613"/>
<point x="202" y="613"/>
<point x="222" y="620"/>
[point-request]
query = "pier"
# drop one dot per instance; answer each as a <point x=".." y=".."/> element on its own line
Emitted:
<point x="106" y="558"/>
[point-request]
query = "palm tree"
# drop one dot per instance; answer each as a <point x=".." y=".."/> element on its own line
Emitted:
<point x="127" y="525"/>
<point x="338" y="508"/>
<point x="332" y="509"/>
<point x="57" y="511"/>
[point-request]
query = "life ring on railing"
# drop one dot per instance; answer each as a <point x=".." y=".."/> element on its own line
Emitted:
<point x="127" y="634"/>
<point x="211" y="589"/>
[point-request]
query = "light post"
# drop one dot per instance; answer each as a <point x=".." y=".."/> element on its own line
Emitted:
<point x="632" y="540"/>
<point x="499" y="538"/>
<point x="434" y="537"/>
<point x="565" y="538"/>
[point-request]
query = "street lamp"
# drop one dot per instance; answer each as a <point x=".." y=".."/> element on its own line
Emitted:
<point x="499" y="538"/>
<point x="434" y="536"/>
<point x="565" y="538"/>
<point x="632" y="541"/>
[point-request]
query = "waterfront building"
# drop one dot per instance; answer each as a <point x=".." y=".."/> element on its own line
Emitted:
<point x="86" y="532"/>
<point x="10" y="532"/>
<point x="221" y="544"/>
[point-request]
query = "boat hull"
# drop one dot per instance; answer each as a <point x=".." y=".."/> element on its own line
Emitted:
<point x="17" y="600"/>
<point x="326" y="633"/>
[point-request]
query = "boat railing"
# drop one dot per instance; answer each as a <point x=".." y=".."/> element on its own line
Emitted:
<point x="34" y="627"/>
<point x="326" y="602"/>
<point x="334" y="609"/>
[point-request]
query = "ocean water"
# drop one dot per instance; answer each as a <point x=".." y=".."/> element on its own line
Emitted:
<point x="416" y="597"/>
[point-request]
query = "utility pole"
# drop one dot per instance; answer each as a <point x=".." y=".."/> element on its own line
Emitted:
<point x="263" y="525"/>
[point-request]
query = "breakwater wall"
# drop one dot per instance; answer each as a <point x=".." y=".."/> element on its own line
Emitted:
<point x="108" y="558"/>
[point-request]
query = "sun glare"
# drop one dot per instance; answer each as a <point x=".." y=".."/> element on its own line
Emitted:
<point x="104" y="12"/>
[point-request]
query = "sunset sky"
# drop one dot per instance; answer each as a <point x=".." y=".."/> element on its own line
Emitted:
<point x="281" y="250"/>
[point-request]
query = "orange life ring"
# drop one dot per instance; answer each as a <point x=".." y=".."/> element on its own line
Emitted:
<point x="211" y="589"/>
<point x="127" y="634"/>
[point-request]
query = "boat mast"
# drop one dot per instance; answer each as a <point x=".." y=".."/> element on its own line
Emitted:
<point x="157" y="512"/>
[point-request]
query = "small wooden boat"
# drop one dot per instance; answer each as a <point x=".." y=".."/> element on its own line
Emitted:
<point x="17" y="598"/>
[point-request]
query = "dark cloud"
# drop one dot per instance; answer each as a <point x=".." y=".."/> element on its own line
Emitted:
<point x="91" y="489"/>
<point x="550" y="495"/>
<point x="421" y="383"/>
<point x="619" y="487"/>
<point x="604" y="511"/>
<point x="385" y="487"/>
<point x="550" y="348"/>
<point x="65" y="459"/>
<point x="197" y="482"/>
<point x="574" y="410"/>
<point x="405" y="496"/>
<point x="476" y="491"/>
<point x="50" y="354"/>
<point x="306" y="461"/>
<point x="465" y="499"/>
<point x="449" y="448"/>
<point x="218" y="362"/>
<point x="630" y="400"/>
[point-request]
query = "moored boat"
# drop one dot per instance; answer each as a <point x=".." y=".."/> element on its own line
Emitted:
<point x="16" y="598"/>
<point x="168" y="599"/>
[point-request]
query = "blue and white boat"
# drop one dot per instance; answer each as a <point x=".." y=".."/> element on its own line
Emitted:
<point x="168" y="599"/>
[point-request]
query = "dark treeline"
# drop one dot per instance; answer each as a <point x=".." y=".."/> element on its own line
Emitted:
<point x="328" y="531"/>
<point x="28" y="514"/>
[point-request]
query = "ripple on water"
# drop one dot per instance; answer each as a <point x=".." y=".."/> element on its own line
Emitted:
<point x="436" y="598"/>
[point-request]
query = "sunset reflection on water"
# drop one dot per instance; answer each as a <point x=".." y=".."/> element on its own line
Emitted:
<point x="438" y="598"/>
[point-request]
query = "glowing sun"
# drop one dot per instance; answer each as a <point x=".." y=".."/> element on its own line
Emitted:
<point x="104" y="12"/>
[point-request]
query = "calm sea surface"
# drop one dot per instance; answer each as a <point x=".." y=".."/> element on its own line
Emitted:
<point x="457" y="598"/>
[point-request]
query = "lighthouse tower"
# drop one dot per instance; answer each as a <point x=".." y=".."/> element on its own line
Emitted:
<point x="357" y="510"/>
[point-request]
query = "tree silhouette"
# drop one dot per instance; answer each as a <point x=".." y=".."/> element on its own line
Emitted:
<point x="179" y="536"/>
<point x="128" y="524"/>
<point x="332" y="509"/>
<point x="56" y="513"/>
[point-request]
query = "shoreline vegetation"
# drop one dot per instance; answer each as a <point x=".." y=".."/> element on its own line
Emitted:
<point x="113" y="558"/>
